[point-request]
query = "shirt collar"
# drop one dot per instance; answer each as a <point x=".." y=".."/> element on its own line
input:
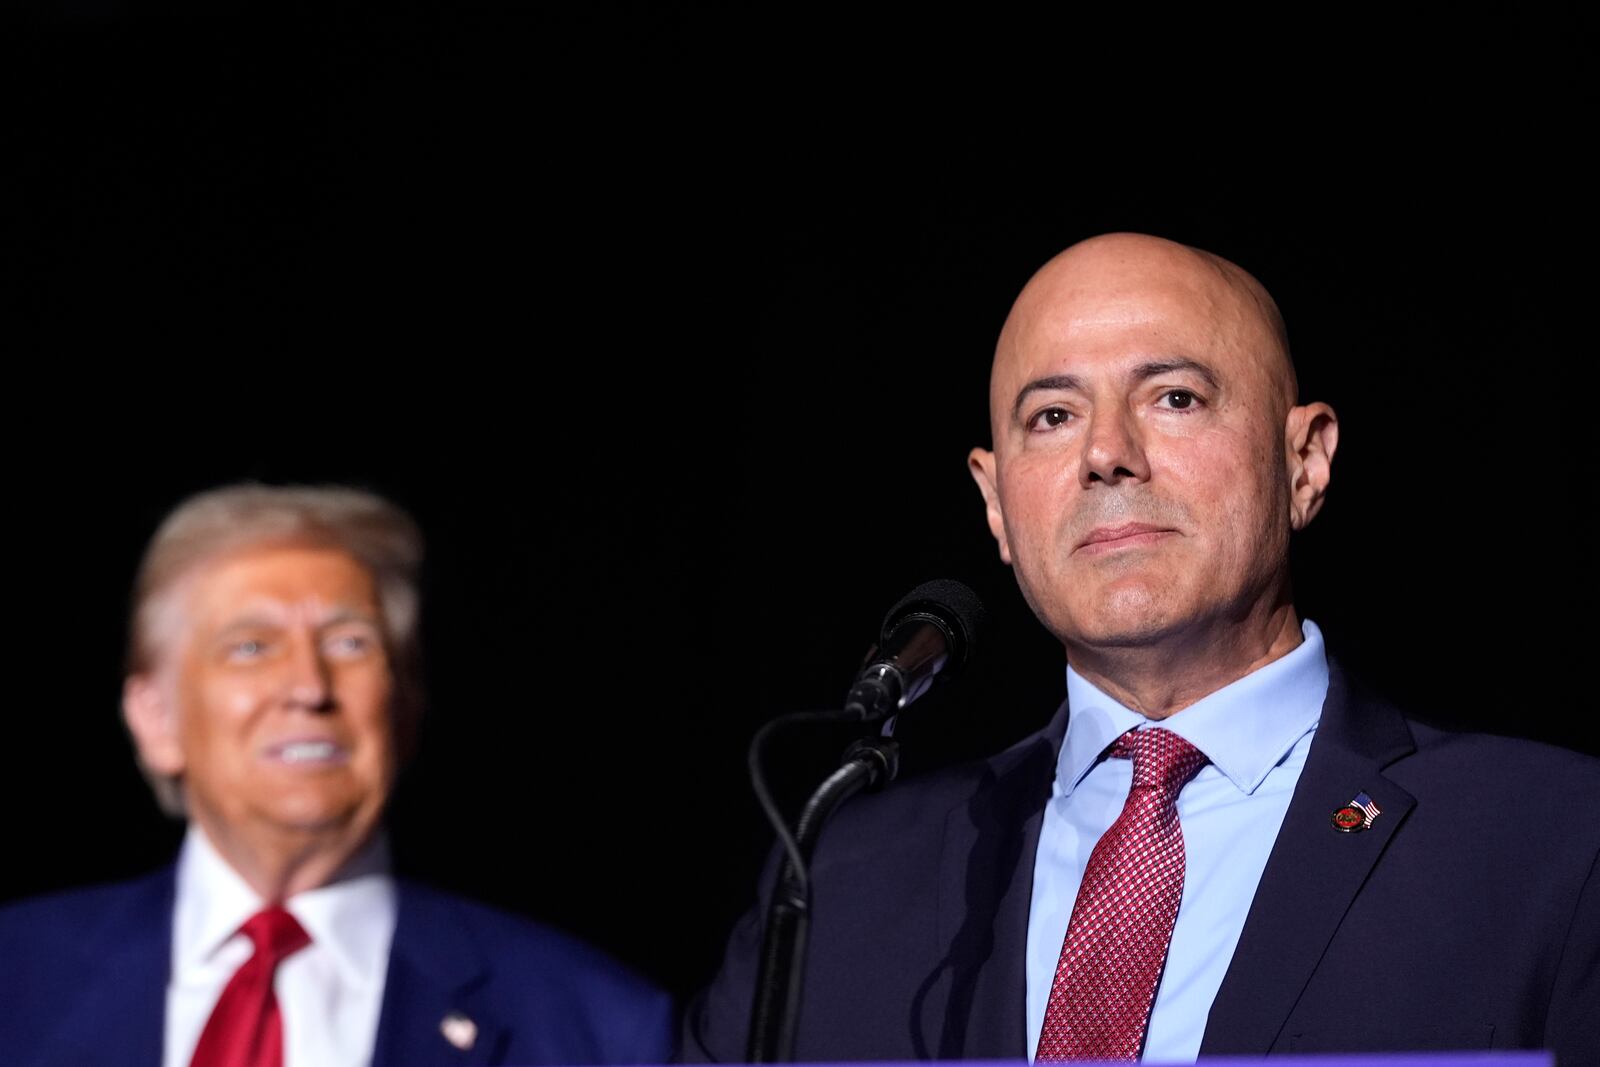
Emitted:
<point x="1245" y="728"/>
<point x="213" y="901"/>
<point x="352" y="917"/>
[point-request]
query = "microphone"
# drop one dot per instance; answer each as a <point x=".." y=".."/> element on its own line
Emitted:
<point x="930" y="633"/>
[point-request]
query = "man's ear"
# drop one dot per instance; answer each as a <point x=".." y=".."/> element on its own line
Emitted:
<point x="153" y="722"/>
<point x="980" y="461"/>
<point x="1311" y="435"/>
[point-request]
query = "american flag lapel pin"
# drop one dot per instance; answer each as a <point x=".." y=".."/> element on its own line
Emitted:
<point x="1356" y="815"/>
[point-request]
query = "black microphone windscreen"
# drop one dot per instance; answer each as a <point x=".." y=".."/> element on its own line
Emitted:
<point x="949" y="601"/>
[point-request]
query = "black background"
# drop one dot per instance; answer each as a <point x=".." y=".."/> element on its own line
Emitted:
<point x="672" y="330"/>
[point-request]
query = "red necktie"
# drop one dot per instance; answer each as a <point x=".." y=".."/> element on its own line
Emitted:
<point x="1122" y="920"/>
<point x="245" y="1028"/>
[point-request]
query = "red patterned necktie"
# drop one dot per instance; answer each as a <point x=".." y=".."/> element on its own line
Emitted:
<point x="1122" y="920"/>
<point x="245" y="1028"/>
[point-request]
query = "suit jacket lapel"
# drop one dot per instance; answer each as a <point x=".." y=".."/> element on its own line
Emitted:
<point x="432" y="1003"/>
<point x="1313" y="873"/>
<point x="985" y="894"/>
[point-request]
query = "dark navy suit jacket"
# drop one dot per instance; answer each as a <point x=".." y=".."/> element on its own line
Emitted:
<point x="83" y="979"/>
<point x="1466" y="917"/>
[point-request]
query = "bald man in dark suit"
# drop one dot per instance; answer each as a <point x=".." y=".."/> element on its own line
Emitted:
<point x="1220" y="843"/>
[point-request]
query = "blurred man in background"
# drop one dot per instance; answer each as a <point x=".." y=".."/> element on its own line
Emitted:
<point x="273" y="694"/>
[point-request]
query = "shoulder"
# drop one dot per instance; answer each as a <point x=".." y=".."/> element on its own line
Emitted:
<point x="85" y="969"/>
<point x="1511" y="817"/>
<point x="87" y="912"/>
<point x="1491" y="756"/>
<point x="1527" y="798"/>
<point x="1490" y="773"/>
<point x="1491" y="778"/>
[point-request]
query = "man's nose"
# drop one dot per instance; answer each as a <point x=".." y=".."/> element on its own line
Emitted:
<point x="1113" y="449"/>
<point x="310" y="683"/>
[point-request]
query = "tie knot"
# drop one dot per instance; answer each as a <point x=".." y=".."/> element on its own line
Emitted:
<point x="1161" y="759"/>
<point x="276" y="934"/>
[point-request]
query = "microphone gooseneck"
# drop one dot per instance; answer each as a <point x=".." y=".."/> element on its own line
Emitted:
<point x="929" y="634"/>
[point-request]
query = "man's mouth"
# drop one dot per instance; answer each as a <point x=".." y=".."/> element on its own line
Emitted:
<point x="1125" y="535"/>
<point x="308" y="752"/>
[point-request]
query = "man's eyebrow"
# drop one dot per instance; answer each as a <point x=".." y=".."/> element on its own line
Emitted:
<point x="1143" y="372"/>
<point x="1064" y="382"/>
<point x="260" y="620"/>
<point x="1156" y="368"/>
<point x="344" y="615"/>
<point x="252" y="621"/>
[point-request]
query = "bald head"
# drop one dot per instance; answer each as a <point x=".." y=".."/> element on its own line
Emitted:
<point x="1149" y="463"/>
<point x="1135" y="280"/>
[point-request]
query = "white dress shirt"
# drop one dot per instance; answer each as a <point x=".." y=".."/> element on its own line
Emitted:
<point x="1256" y="733"/>
<point x="329" y="993"/>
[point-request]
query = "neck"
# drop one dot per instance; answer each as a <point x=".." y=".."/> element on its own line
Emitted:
<point x="280" y="863"/>
<point x="1160" y="679"/>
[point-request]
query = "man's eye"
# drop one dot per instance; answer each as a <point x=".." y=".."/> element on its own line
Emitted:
<point x="1049" y="418"/>
<point x="249" y="648"/>
<point x="1180" y="399"/>
<point x="349" y="644"/>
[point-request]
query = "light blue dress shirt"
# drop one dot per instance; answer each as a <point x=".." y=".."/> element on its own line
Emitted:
<point x="1256" y="732"/>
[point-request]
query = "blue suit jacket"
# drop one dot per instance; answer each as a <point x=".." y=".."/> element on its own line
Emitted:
<point x="83" y="979"/>
<point x="1467" y="916"/>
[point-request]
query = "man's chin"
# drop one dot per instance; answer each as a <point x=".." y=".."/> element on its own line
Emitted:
<point x="1118" y="639"/>
<point x="313" y="817"/>
<point x="1124" y="615"/>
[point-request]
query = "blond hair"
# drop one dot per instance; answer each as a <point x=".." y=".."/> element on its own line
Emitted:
<point x="231" y="518"/>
